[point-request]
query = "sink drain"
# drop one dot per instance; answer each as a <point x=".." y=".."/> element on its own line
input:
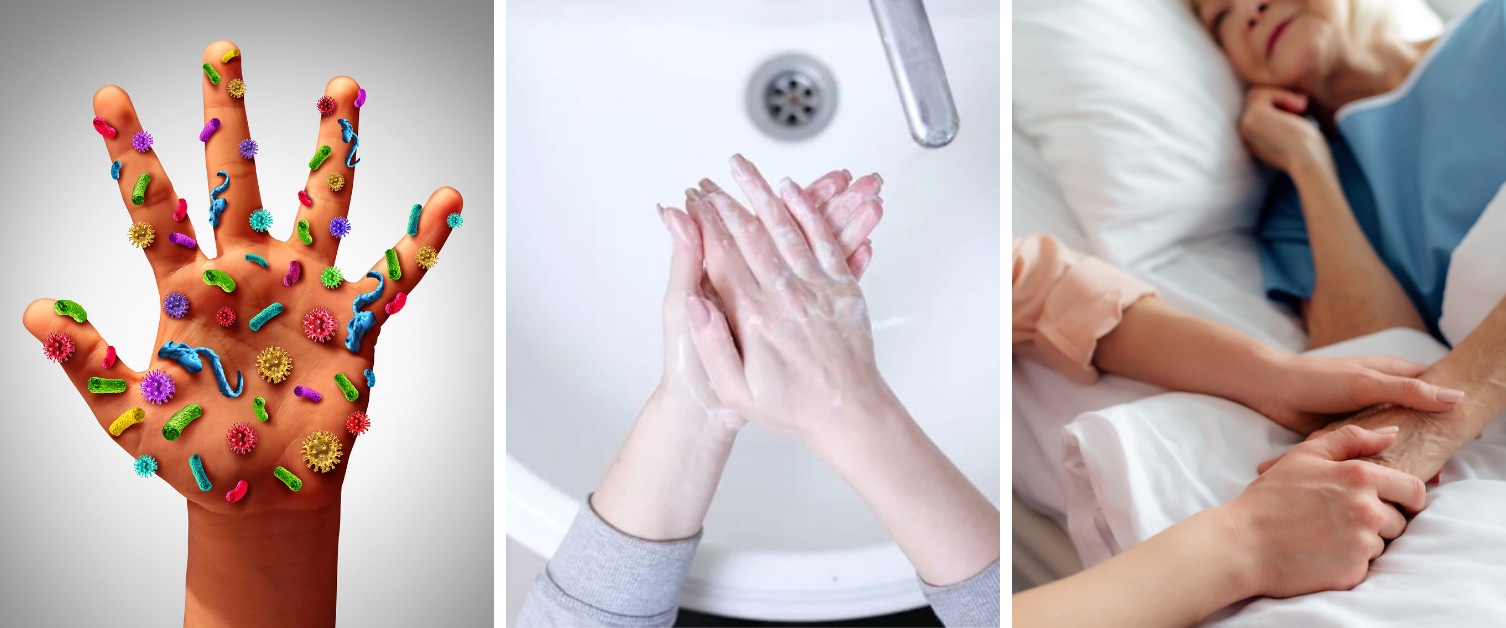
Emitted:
<point x="792" y="97"/>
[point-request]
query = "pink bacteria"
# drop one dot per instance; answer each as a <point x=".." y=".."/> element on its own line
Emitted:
<point x="396" y="305"/>
<point x="103" y="128"/>
<point x="237" y="493"/>
<point x="109" y="360"/>
<point x="292" y="277"/>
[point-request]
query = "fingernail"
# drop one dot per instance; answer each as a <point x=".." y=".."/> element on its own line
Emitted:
<point x="1389" y="429"/>
<point x="696" y="309"/>
<point x="879" y="177"/>
<point x="692" y="193"/>
<point x="1449" y="395"/>
<point x="847" y="173"/>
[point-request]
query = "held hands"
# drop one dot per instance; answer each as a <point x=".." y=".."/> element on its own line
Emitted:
<point x="1275" y="131"/>
<point x="1317" y="518"/>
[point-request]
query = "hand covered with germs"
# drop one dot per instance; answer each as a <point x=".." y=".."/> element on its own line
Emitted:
<point x="311" y="341"/>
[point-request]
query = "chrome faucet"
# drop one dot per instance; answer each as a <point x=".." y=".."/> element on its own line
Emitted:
<point x="916" y="66"/>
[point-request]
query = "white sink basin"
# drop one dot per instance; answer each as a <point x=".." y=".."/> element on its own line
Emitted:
<point x="613" y="108"/>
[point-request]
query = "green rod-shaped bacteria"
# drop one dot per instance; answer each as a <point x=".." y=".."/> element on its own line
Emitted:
<point x="174" y="426"/>
<point x="351" y="394"/>
<point x="288" y="478"/>
<point x="102" y="385"/>
<point x="394" y="271"/>
<point x="138" y="195"/>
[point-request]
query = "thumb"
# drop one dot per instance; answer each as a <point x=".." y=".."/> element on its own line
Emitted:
<point x="1266" y="466"/>
<point x="1289" y="100"/>
<point x="1350" y="441"/>
<point x="1412" y="393"/>
<point x="718" y="352"/>
<point x="685" y="263"/>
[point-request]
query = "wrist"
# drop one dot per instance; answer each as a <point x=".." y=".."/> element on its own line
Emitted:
<point x="276" y="567"/>
<point x="1266" y="379"/>
<point x="1237" y="537"/>
<point x="866" y="418"/>
<point x="1311" y="161"/>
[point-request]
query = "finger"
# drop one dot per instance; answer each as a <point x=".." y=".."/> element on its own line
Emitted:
<point x="331" y="204"/>
<point x="433" y="231"/>
<point x="725" y="264"/>
<point x="756" y="245"/>
<point x="685" y="264"/>
<point x="1393" y="523"/>
<point x="827" y="187"/>
<point x="160" y="201"/>
<point x="858" y="261"/>
<point x="1266" y="466"/>
<point x="1350" y="441"/>
<point x="86" y="361"/>
<point x="222" y="152"/>
<point x="860" y="225"/>
<point x="713" y="343"/>
<point x="1377" y="547"/>
<point x="1399" y="488"/>
<point x="831" y="256"/>
<point x="1412" y="393"/>
<point x="1391" y="365"/>
<point x="1289" y="100"/>
<point x="842" y="207"/>
<point x="781" y="227"/>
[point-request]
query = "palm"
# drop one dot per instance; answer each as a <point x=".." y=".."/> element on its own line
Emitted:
<point x="180" y="269"/>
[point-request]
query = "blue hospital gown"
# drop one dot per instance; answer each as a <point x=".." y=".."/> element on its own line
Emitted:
<point x="1417" y="164"/>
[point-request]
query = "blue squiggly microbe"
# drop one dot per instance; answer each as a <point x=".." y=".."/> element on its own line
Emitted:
<point x="259" y="260"/>
<point x="361" y="322"/>
<point x="370" y="378"/>
<point x="217" y="204"/>
<point x="348" y="133"/>
<point x="115" y="171"/>
<point x="188" y="358"/>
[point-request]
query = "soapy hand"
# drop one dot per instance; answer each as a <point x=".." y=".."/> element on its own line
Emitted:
<point x="850" y="206"/>
<point x="789" y="345"/>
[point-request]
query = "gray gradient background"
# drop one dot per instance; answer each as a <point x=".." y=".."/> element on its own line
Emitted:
<point x="83" y="542"/>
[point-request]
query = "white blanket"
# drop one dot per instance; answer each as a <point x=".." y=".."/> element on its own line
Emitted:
<point x="1134" y="469"/>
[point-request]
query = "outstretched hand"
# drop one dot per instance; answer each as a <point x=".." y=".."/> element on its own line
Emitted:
<point x="182" y="269"/>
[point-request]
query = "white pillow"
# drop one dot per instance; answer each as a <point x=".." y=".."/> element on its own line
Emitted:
<point x="1136" y="111"/>
<point x="1038" y="206"/>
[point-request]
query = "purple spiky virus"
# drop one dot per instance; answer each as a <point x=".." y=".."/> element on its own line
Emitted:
<point x="175" y="304"/>
<point x="141" y="141"/>
<point x="248" y="148"/>
<point x="339" y="227"/>
<point x="158" y="387"/>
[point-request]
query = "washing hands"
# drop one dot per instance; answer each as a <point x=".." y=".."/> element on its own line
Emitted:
<point x="662" y="481"/>
<point x="267" y="558"/>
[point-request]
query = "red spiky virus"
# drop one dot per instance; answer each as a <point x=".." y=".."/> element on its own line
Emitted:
<point x="357" y="423"/>
<point x="326" y="105"/>
<point x="241" y="437"/>
<point x="225" y="317"/>
<point x="320" y="324"/>
<point x="58" y="347"/>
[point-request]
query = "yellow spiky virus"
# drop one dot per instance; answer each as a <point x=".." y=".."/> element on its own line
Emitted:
<point x="321" y="451"/>
<point x="237" y="88"/>
<point x="334" y="182"/>
<point x="140" y="234"/>
<point x="427" y="257"/>
<point x="274" y="364"/>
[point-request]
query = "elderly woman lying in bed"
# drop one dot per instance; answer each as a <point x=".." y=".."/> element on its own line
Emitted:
<point x="1406" y="154"/>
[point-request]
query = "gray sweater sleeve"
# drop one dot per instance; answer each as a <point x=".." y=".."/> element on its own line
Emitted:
<point x="972" y="602"/>
<point x="603" y="577"/>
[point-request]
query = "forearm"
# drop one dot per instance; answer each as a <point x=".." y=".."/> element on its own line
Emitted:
<point x="1175" y="578"/>
<point x="1159" y="344"/>
<point x="275" y="568"/>
<point x="662" y="481"/>
<point x="1478" y="367"/>
<point x="1354" y="293"/>
<point x="947" y="529"/>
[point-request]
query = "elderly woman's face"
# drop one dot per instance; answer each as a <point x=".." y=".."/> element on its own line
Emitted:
<point x="1278" y="43"/>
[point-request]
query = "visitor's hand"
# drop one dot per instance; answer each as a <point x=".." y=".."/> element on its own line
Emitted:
<point x="1317" y="518"/>
<point x="802" y="357"/>
<point x="180" y="269"/>
<point x="851" y="207"/>
<point x="1309" y="392"/>
<point x="1275" y="131"/>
